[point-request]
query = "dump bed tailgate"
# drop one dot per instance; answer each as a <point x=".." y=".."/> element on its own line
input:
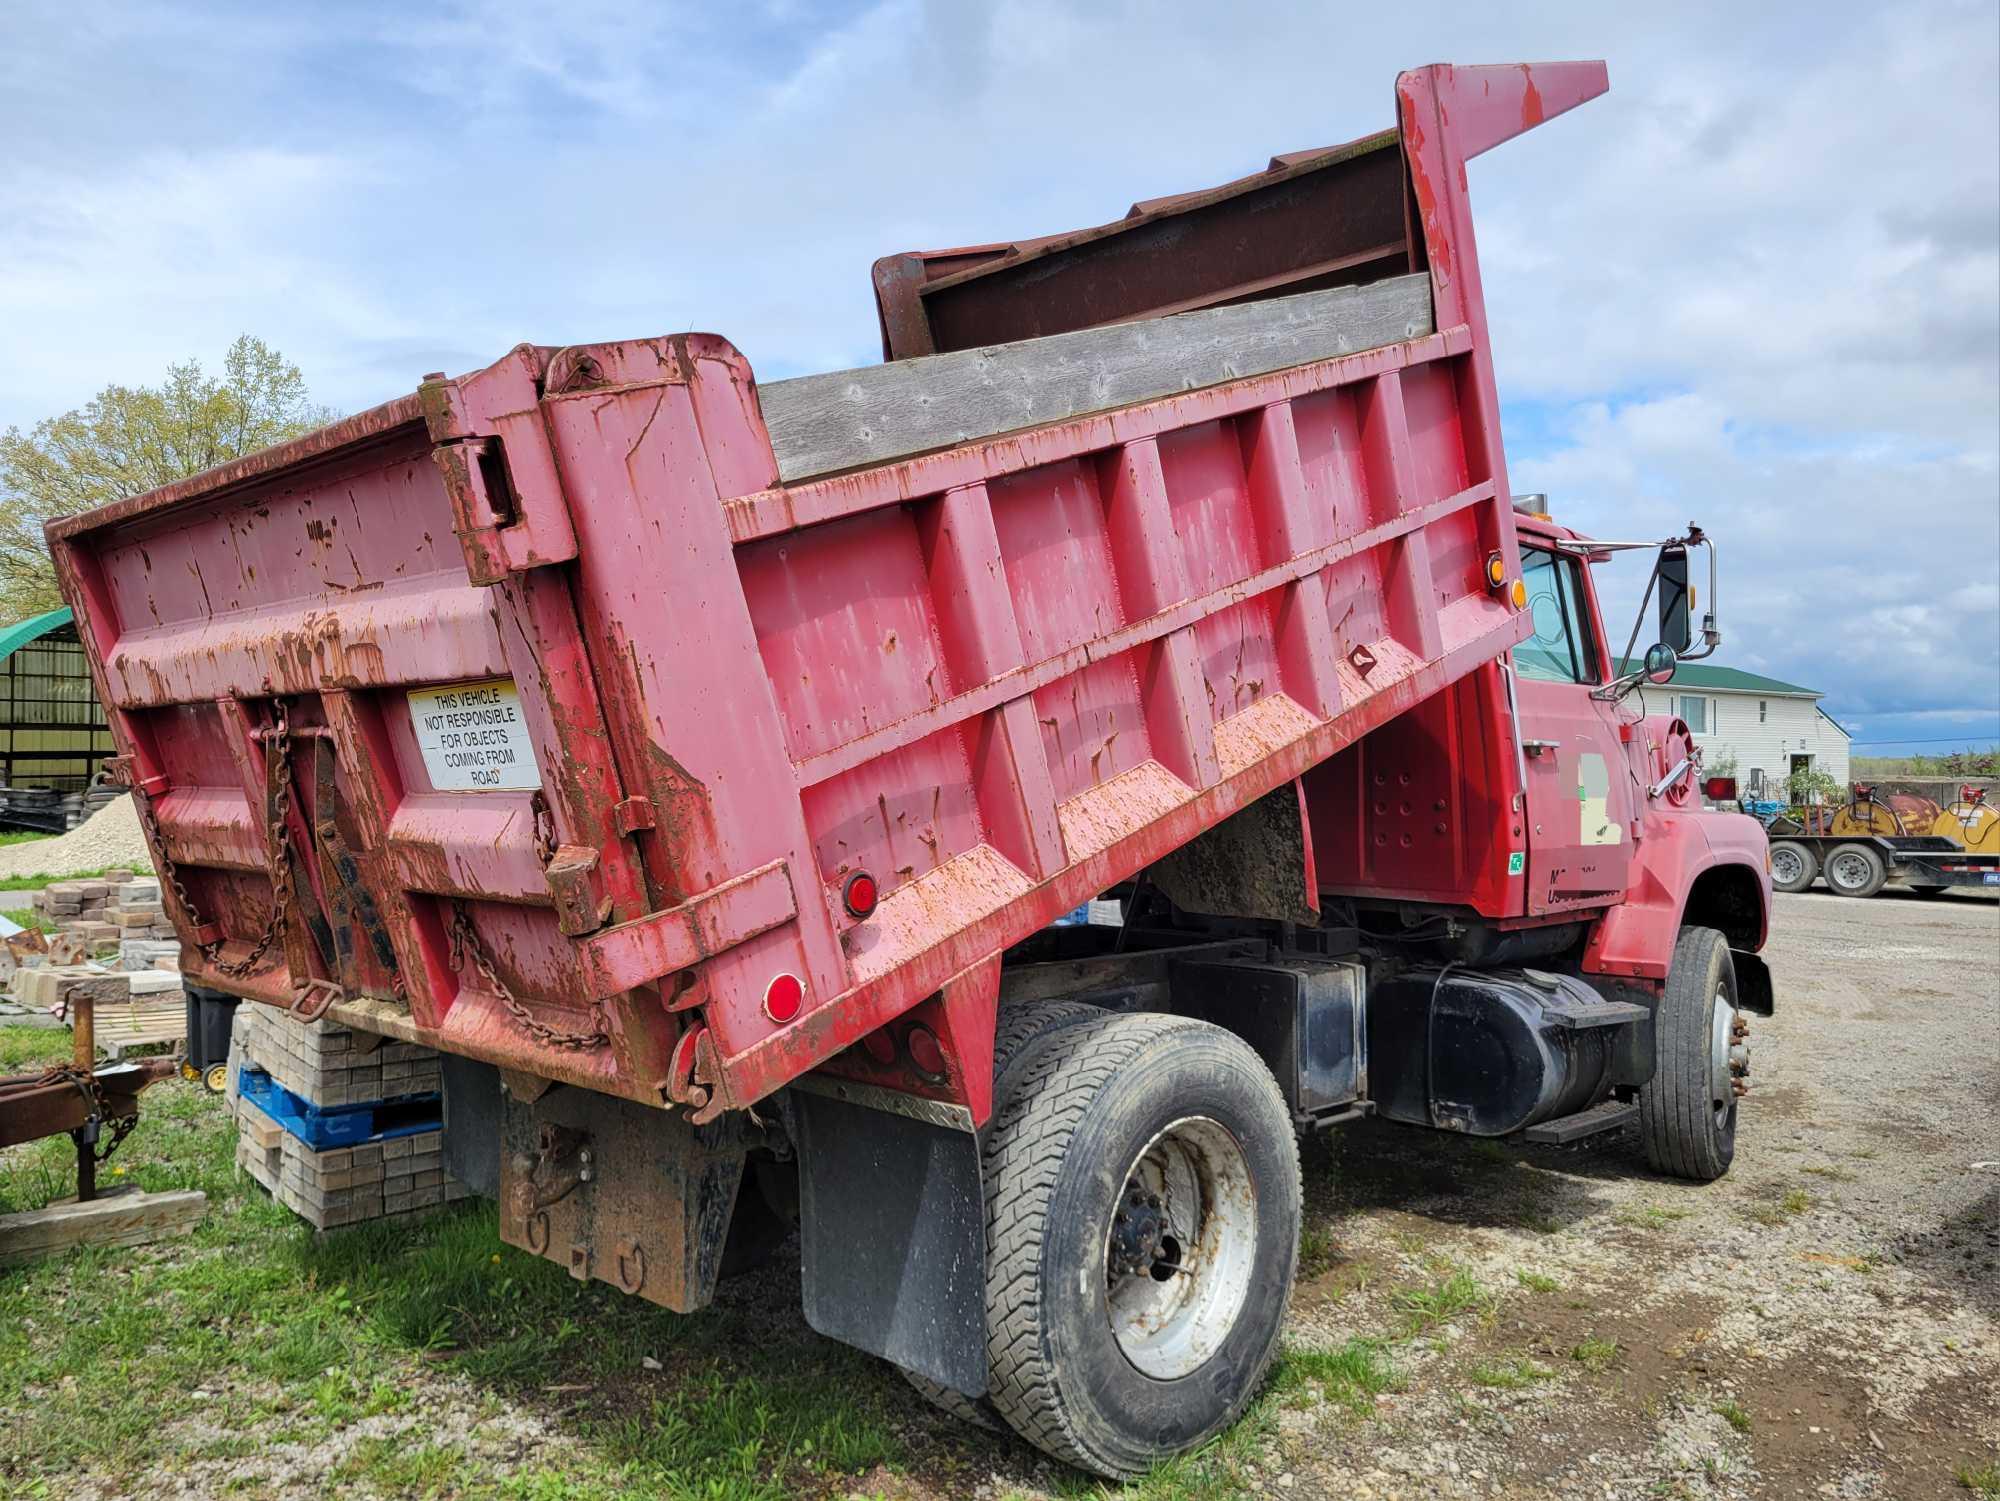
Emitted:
<point x="535" y="717"/>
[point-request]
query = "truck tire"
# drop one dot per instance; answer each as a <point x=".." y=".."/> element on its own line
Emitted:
<point x="1855" y="870"/>
<point x="1142" y="1213"/>
<point x="1017" y="1027"/>
<point x="1793" y="865"/>
<point x="1687" y="1114"/>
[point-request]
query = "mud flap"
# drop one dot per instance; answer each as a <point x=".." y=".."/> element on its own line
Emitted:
<point x="1754" y="991"/>
<point x="893" y="1238"/>
<point x="620" y="1193"/>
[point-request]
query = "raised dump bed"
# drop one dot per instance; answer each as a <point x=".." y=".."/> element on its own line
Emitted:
<point x="577" y="690"/>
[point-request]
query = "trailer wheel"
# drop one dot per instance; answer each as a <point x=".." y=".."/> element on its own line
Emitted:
<point x="1855" y="870"/>
<point x="1142" y="1219"/>
<point x="1793" y="866"/>
<point x="1687" y="1114"/>
<point x="1018" y="1027"/>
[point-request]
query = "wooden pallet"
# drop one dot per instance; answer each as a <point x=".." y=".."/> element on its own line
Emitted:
<point x="128" y="1024"/>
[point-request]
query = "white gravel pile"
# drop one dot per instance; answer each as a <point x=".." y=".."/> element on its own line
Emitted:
<point x="109" y="838"/>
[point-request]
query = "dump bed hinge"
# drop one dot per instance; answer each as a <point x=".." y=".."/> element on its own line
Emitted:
<point x="661" y="943"/>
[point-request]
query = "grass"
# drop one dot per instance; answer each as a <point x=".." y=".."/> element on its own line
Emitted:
<point x="1424" y="1308"/>
<point x="1352" y="1376"/>
<point x="1732" y="1413"/>
<point x="1536" y="1282"/>
<point x="296" y="1338"/>
<point x="38" y="881"/>
<point x="1649" y="1216"/>
<point x="1595" y="1354"/>
<point x="25" y="917"/>
<point x="23" y="1048"/>
<point x="1317" y="1252"/>
<point x="1790" y="1206"/>
<point x="22" y="836"/>
<point x="1981" y="1480"/>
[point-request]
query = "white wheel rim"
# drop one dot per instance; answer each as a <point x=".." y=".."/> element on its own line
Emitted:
<point x="1721" y="1076"/>
<point x="1786" y="865"/>
<point x="1849" y="870"/>
<point x="1170" y="1316"/>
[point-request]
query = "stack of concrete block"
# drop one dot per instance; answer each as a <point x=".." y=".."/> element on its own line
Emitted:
<point x="98" y="916"/>
<point x="333" y="1186"/>
<point x="329" y="1065"/>
<point x="149" y="953"/>
<point x="55" y="985"/>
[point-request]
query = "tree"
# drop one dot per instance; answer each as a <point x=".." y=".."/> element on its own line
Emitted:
<point x="129" y="439"/>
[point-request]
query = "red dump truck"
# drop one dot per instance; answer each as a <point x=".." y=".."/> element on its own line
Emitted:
<point x="701" y="765"/>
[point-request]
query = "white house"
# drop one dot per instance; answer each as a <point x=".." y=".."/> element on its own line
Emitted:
<point x="1770" y="728"/>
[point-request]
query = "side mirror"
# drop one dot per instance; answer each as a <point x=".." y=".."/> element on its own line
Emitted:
<point x="1661" y="662"/>
<point x="1676" y="600"/>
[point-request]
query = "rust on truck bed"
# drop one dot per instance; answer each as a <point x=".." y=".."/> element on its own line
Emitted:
<point x="593" y="704"/>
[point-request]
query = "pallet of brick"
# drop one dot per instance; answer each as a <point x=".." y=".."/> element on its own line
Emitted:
<point x="330" y="1065"/>
<point x="344" y="1185"/>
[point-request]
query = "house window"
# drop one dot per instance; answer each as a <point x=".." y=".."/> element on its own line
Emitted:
<point x="1695" y="712"/>
<point x="1762" y="709"/>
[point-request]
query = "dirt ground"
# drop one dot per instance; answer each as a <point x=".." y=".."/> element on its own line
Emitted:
<point x="1475" y="1320"/>
<point x="1825" y="1321"/>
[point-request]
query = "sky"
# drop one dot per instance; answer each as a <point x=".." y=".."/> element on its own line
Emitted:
<point x="1756" y="286"/>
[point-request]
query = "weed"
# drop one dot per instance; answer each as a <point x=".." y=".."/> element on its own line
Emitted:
<point x="1794" y="1203"/>
<point x="1351" y="1376"/>
<point x="1316" y="1251"/>
<point x="1424" y="1308"/>
<point x="1982" y="1480"/>
<point x="1511" y="1374"/>
<point x="1595" y="1354"/>
<point x="1732" y="1413"/>
<point x="42" y="878"/>
<point x="1536" y="1282"/>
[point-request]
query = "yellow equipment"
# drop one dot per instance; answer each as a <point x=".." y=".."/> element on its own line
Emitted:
<point x="1898" y="814"/>
<point x="1969" y="822"/>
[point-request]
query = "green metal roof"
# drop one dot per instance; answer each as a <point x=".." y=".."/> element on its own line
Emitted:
<point x="1728" y="680"/>
<point x="14" y="637"/>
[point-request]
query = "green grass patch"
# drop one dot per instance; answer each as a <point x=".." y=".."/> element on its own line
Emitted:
<point x="1513" y="1374"/>
<point x="1595" y="1354"/>
<point x="1793" y="1203"/>
<point x="26" y="917"/>
<point x="38" y="881"/>
<point x="1352" y="1376"/>
<point x="22" y="836"/>
<point x="1536" y="1282"/>
<point x="1982" y="1479"/>
<point x="1649" y="1216"/>
<point x="1424" y="1308"/>
<point x="1732" y="1413"/>
<point x="23" y="1048"/>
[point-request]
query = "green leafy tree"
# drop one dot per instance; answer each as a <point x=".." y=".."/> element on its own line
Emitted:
<point x="129" y="439"/>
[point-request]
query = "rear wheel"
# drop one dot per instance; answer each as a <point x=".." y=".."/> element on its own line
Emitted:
<point x="1855" y="870"/>
<point x="1017" y="1028"/>
<point x="1687" y="1114"/>
<point x="1142" y="1229"/>
<point x="1793" y="866"/>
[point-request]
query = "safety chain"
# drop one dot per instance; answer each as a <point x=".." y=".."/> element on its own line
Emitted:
<point x="86" y="1084"/>
<point x="465" y="944"/>
<point x="277" y="744"/>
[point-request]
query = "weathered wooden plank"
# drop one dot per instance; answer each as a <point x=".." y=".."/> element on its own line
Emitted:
<point x="848" y="418"/>
<point x="123" y="1219"/>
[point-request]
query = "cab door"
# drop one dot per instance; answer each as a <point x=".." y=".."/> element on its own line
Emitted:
<point x="1581" y="800"/>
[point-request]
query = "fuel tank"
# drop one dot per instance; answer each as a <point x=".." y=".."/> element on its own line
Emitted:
<point x="1492" y="1052"/>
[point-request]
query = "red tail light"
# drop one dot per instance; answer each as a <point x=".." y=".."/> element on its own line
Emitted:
<point x="860" y="894"/>
<point x="784" y="998"/>
<point x="1719" y="789"/>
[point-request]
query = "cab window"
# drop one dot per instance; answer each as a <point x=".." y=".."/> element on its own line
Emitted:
<point x="1561" y="649"/>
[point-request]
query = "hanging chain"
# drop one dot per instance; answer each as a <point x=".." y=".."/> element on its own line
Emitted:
<point x="276" y="744"/>
<point x="93" y="1093"/>
<point x="466" y="945"/>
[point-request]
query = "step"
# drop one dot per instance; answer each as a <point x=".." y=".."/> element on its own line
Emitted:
<point x="1565" y="1129"/>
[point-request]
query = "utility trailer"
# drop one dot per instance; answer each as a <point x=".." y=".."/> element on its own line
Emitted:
<point x="1862" y="864"/>
<point x="701" y="765"/>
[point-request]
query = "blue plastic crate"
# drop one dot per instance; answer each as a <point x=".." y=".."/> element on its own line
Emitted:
<point x="324" y="1126"/>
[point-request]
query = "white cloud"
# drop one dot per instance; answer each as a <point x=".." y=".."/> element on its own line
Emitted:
<point x="1758" y="284"/>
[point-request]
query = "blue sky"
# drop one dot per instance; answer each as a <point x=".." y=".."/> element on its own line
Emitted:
<point x="1757" y="285"/>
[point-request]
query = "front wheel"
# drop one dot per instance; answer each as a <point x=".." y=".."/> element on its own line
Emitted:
<point x="1793" y="866"/>
<point x="1143" y="1211"/>
<point x="1687" y="1114"/>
